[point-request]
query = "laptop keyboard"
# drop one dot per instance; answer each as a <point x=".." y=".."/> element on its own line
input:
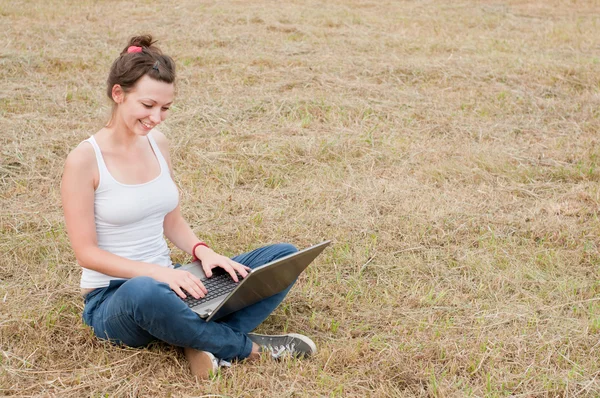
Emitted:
<point x="217" y="286"/>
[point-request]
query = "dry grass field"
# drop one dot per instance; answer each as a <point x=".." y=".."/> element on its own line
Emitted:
<point x="449" y="149"/>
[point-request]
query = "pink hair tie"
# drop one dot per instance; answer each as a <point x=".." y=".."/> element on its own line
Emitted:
<point x="134" y="49"/>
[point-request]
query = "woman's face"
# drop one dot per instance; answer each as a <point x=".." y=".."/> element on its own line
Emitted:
<point x="145" y="106"/>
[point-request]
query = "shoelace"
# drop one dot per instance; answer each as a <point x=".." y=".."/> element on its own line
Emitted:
<point x="278" y="351"/>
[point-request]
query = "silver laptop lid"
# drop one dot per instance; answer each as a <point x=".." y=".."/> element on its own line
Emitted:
<point x="267" y="280"/>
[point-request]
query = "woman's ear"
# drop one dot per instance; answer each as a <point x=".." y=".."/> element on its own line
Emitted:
<point x="118" y="95"/>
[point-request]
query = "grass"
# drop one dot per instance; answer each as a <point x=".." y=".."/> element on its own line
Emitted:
<point x="449" y="150"/>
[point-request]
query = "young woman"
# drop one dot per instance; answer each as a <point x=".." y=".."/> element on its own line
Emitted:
<point x="120" y="202"/>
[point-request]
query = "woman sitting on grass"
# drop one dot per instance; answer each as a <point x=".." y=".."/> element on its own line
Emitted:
<point x="120" y="202"/>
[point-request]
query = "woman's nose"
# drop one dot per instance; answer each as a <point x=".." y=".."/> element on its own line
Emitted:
<point x="155" y="116"/>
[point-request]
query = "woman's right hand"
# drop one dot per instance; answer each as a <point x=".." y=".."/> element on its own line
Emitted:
<point x="178" y="280"/>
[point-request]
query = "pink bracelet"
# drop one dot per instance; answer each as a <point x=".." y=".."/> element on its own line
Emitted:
<point x="194" y="258"/>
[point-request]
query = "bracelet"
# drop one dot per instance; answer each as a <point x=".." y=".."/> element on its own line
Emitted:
<point x="194" y="258"/>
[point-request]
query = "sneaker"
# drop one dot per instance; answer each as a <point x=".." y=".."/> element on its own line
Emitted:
<point x="291" y="344"/>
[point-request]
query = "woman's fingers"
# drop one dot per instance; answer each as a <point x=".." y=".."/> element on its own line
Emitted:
<point x="198" y="284"/>
<point x="194" y="286"/>
<point x="234" y="269"/>
<point x="231" y="271"/>
<point x="207" y="270"/>
<point x="231" y="267"/>
<point x="178" y="291"/>
<point x="190" y="283"/>
<point x="240" y="268"/>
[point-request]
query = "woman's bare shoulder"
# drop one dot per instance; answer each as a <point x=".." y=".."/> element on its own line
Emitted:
<point x="81" y="166"/>
<point x="82" y="156"/>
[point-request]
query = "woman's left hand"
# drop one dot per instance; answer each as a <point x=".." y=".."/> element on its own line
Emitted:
<point x="210" y="260"/>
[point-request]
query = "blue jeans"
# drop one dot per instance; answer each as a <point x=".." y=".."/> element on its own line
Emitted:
<point x="137" y="311"/>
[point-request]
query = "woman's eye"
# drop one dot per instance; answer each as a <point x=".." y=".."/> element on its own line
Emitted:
<point x="147" y="106"/>
<point x="165" y="109"/>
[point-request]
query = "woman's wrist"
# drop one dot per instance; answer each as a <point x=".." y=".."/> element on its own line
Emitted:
<point x="152" y="270"/>
<point x="199" y="250"/>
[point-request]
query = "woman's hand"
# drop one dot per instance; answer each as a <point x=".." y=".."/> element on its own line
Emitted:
<point x="211" y="260"/>
<point x="178" y="280"/>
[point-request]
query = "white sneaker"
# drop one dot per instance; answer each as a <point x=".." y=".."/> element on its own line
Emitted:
<point x="291" y="344"/>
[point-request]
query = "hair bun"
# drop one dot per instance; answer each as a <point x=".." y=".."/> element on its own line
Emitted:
<point x="144" y="41"/>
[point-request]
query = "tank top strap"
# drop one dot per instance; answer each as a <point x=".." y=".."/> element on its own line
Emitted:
<point x="102" y="169"/>
<point x="161" y="159"/>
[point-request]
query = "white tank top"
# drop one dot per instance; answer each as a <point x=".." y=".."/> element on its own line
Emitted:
<point x="129" y="218"/>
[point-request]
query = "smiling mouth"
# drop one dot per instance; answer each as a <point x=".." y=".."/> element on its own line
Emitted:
<point x="148" y="126"/>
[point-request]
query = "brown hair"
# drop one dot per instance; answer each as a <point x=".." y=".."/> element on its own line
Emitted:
<point x="131" y="66"/>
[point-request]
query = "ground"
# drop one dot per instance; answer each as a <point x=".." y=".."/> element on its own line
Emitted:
<point x="448" y="149"/>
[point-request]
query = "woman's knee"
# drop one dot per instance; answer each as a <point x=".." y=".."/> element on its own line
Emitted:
<point x="143" y="290"/>
<point x="266" y="254"/>
<point x="285" y="249"/>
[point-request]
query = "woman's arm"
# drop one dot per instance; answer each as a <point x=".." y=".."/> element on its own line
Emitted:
<point x="77" y="191"/>
<point x="178" y="231"/>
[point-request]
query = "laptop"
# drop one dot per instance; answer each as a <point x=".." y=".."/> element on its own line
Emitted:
<point x="226" y="296"/>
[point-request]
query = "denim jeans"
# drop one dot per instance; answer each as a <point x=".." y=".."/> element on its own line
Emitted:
<point x="137" y="311"/>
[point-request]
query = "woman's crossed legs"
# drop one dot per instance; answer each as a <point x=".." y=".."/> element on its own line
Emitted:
<point x="137" y="311"/>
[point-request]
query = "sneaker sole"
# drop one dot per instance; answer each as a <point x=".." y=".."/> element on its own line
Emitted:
<point x="304" y="339"/>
